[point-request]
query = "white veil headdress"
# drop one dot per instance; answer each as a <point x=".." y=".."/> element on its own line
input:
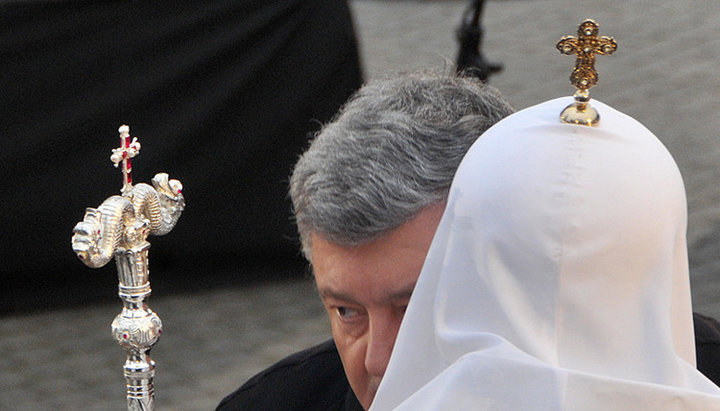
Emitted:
<point x="557" y="279"/>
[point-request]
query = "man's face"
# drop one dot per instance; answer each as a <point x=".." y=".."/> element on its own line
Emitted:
<point x="366" y="290"/>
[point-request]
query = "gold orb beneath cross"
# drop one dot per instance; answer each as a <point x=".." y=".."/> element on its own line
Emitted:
<point x="580" y="112"/>
<point x="587" y="116"/>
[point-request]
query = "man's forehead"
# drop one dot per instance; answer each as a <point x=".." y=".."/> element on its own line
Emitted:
<point x="384" y="269"/>
<point x="354" y="278"/>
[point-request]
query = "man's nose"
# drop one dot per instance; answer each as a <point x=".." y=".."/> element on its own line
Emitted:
<point x="381" y="338"/>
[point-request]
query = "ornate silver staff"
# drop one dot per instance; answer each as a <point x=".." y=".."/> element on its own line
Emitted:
<point x="119" y="228"/>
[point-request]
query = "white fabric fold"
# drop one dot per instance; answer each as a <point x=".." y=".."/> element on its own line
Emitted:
<point x="557" y="279"/>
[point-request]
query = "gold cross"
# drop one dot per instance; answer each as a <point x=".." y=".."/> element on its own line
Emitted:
<point x="585" y="46"/>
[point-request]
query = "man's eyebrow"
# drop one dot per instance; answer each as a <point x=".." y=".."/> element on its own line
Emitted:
<point x="326" y="293"/>
<point x="401" y="294"/>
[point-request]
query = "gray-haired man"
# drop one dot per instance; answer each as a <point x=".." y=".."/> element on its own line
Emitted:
<point x="368" y="195"/>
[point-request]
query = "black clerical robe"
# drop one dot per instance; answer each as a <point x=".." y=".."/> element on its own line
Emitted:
<point x="707" y="346"/>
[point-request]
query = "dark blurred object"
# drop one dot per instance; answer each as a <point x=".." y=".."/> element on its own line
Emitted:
<point x="470" y="57"/>
<point x="223" y="96"/>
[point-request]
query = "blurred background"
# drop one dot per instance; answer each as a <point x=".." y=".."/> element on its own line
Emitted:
<point x="224" y="96"/>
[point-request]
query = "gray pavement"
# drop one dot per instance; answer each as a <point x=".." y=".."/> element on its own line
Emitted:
<point x="663" y="74"/>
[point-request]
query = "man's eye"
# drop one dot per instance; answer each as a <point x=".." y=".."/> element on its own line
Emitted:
<point x="346" y="314"/>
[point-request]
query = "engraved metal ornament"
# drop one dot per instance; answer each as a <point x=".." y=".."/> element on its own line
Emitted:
<point x="585" y="46"/>
<point x="119" y="228"/>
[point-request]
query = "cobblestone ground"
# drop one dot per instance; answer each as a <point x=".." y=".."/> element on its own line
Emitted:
<point x="663" y="74"/>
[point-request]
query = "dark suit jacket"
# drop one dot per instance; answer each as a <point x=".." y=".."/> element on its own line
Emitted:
<point x="314" y="379"/>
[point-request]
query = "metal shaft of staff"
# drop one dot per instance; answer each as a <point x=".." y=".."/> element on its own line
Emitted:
<point x="137" y="328"/>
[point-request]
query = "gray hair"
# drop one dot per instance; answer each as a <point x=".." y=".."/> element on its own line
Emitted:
<point x="392" y="150"/>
